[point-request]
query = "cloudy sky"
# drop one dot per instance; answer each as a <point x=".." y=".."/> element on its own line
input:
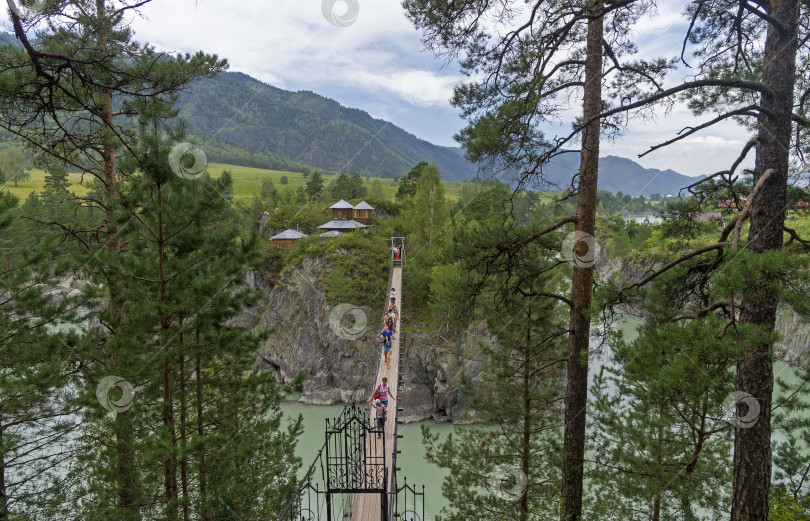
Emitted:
<point x="365" y="54"/>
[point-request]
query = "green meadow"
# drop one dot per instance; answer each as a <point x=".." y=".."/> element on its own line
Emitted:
<point x="247" y="181"/>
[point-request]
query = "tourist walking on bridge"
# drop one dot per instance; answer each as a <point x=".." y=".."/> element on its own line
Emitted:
<point x="388" y="321"/>
<point x="382" y="415"/>
<point x="393" y="296"/>
<point x="382" y="392"/>
<point x="386" y="335"/>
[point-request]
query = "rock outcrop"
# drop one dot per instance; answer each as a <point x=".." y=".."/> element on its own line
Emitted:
<point x="341" y="368"/>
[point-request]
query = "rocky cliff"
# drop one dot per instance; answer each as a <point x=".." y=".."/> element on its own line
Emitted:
<point x="794" y="331"/>
<point x="340" y="368"/>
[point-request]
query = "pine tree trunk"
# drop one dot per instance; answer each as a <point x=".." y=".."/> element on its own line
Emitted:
<point x="752" y="445"/>
<point x="124" y="433"/>
<point x="183" y="448"/>
<point x="527" y="417"/>
<point x="203" y="504"/>
<point x="4" y="513"/>
<point x="576" y="392"/>
<point x="170" y="459"/>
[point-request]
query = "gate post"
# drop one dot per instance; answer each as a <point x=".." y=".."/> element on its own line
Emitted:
<point x="384" y="496"/>
<point x="328" y="480"/>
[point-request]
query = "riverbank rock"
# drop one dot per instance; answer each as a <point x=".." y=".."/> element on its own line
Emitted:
<point x="295" y="316"/>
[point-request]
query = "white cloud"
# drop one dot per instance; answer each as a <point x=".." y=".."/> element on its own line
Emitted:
<point x="377" y="64"/>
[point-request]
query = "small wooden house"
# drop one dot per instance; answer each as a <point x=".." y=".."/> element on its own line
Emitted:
<point x="286" y="238"/>
<point x="343" y="217"/>
<point x="342" y="211"/>
<point x="363" y="213"/>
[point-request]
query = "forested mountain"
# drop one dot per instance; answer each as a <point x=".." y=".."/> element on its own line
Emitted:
<point x="307" y="128"/>
<point x="619" y="174"/>
<point x="240" y="120"/>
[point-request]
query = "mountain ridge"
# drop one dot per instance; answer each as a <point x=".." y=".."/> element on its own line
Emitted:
<point x="310" y="129"/>
<point x="243" y="121"/>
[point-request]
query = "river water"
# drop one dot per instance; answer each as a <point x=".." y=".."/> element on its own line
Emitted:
<point x="411" y="460"/>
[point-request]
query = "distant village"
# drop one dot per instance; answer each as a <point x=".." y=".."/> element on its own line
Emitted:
<point x="345" y="218"/>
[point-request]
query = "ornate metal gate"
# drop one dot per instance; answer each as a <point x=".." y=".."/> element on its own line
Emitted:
<point x="355" y="457"/>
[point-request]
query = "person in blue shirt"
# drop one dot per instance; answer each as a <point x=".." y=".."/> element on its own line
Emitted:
<point x="386" y="335"/>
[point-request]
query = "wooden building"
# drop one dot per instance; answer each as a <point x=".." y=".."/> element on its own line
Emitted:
<point x="363" y="213"/>
<point x="342" y="211"/>
<point x="286" y="238"/>
<point x="343" y="217"/>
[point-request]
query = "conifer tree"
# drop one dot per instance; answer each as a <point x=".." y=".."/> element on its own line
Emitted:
<point x="511" y="470"/>
<point x="35" y="414"/>
<point x="314" y="185"/>
<point x="202" y="415"/>
<point x="661" y="439"/>
<point x="62" y="99"/>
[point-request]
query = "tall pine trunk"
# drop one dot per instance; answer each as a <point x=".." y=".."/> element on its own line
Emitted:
<point x="576" y="392"/>
<point x="752" y="446"/>
<point x="123" y="428"/>
<point x="183" y="434"/>
<point x="4" y="513"/>
<point x="528" y="368"/>
<point x="170" y="458"/>
<point x="201" y="471"/>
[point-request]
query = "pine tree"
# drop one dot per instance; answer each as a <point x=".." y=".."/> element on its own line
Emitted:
<point x="200" y="411"/>
<point x="61" y="99"/>
<point x="34" y="413"/>
<point x="661" y="444"/>
<point x="314" y="185"/>
<point x="512" y="470"/>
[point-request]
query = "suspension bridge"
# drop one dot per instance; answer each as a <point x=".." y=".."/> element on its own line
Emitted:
<point x="354" y="475"/>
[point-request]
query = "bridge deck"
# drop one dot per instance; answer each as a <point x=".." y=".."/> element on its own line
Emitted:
<point x="367" y="507"/>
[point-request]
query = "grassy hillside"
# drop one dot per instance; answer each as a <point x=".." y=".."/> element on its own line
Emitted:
<point x="37" y="182"/>
<point x="247" y="182"/>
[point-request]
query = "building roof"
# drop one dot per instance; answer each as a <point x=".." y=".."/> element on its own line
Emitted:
<point x="708" y="216"/>
<point x="347" y="224"/>
<point x="289" y="234"/>
<point x="342" y="205"/>
<point x="362" y="205"/>
<point x="330" y="233"/>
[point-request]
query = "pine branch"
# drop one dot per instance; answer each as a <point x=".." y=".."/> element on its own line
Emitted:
<point x="747" y="208"/>
<point x="668" y="266"/>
